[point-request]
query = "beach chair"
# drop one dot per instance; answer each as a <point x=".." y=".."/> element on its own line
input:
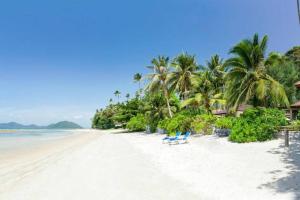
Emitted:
<point x="168" y="138"/>
<point x="177" y="140"/>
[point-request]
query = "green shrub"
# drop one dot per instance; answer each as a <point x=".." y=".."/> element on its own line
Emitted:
<point x="295" y="125"/>
<point x="179" y="122"/>
<point x="163" y="124"/>
<point x="257" y="124"/>
<point x="225" y="122"/>
<point x="137" y="123"/>
<point x="298" y="116"/>
<point x="203" y="123"/>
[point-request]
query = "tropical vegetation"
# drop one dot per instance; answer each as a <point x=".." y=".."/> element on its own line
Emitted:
<point x="179" y="94"/>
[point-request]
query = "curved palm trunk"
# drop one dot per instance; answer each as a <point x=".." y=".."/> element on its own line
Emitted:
<point x="207" y="106"/>
<point x="168" y="102"/>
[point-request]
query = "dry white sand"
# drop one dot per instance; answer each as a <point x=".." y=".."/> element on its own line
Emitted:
<point x="98" y="165"/>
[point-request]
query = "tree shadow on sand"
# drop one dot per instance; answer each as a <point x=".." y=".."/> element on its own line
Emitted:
<point x="291" y="157"/>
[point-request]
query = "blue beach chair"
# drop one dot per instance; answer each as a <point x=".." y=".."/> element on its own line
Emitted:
<point x="184" y="139"/>
<point x="168" y="138"/>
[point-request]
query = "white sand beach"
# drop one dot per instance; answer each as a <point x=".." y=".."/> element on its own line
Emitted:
<point x="129" y="166"/>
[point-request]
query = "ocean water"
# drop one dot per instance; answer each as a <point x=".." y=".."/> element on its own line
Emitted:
<point x="18" y="139"/>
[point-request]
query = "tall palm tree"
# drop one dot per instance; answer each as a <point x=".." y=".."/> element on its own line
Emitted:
<point x="181" y="78"/>
<point x="137" y="78"/>
<point x="247" y="80"/>
<point x="117" y="93"/>
<point x="216" y="68"/>
<point x="159" y="78"/>
<point x="205" y="93"/>
<point x="127" y="96"/>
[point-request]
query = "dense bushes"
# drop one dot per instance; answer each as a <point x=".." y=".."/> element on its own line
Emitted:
<point x="296" y="125"/>
<point x="137" y="123"/>
<point x="103" y="120"/>
<point x="203" y="123"/>
<point x="225" y="122"/>
<point x="179" y="122"/>
<point x="257" y="124"/>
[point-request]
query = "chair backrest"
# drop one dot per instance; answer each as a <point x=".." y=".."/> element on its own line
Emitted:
<point x="187" y="134"/>
<point x="178" y="133"/>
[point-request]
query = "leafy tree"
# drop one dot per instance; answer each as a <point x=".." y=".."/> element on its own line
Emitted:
<point x="137" y="123"/>
<point x="158" y="79"/>
<point x="128" y="110"/>
<point x="247" y="78"/>
<point x="185" y="66"/>
<point x="294" y="55"/>
<point x="286" y="73"/>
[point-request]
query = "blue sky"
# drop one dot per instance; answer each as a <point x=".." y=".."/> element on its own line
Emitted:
<point x="62" y="59"/>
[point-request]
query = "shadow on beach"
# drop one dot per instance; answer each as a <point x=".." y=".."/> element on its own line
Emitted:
<point x="291" y="158"/>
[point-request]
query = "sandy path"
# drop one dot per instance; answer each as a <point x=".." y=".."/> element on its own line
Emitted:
<point x="104" y="166"/>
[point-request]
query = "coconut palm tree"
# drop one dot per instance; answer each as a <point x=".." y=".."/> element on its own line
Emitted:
<point x="205" y="93"/>
<point x="247" y="80"/>
<point x="216" y="69"/>
<point x="159" y="78"/>
<point x="127" y="96"/>
<point x="137" y="78"/>
<point x="181" y="78"/>
<point x="117" y="93"/>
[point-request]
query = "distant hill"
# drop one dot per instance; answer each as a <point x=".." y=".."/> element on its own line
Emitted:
<point x="59" y="125"/>
<point x="64" y="125"/>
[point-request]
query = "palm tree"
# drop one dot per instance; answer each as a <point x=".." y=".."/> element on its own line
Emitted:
<point x="159" y="78"/>
<point x="216" y="68"/>
<point x="205" y="93"/>
<point x="117" y="93"/>
<point x="127" y="96"/>
<point x="181" y="78"/>
<point x="110" y="101"/>
<point x="137" y="78"/>
<point x="247" y="80"/>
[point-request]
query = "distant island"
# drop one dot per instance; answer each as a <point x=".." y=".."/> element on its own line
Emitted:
<point x="59" y="125"/>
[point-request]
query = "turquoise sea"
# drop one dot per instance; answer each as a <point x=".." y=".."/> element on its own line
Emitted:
<point x="18" y="139"/>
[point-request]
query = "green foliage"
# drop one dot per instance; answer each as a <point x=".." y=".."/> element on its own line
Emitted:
<point x="247" y="77"/>
<point x="157" y="110"/>
<point x="179" y="122"/>
<point x="257" y="124"/>
<point x="163" y="124"/>
<point x="287" y="74"/>
<point x="203" y="123"/>
<point x="225" y="122"/>
<point x="185" y="67"/>
<point x="295" y="125"/>
<point x="137" y="123"/>
<point x="298" y="116"/>
<point x="102" y="120"/>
